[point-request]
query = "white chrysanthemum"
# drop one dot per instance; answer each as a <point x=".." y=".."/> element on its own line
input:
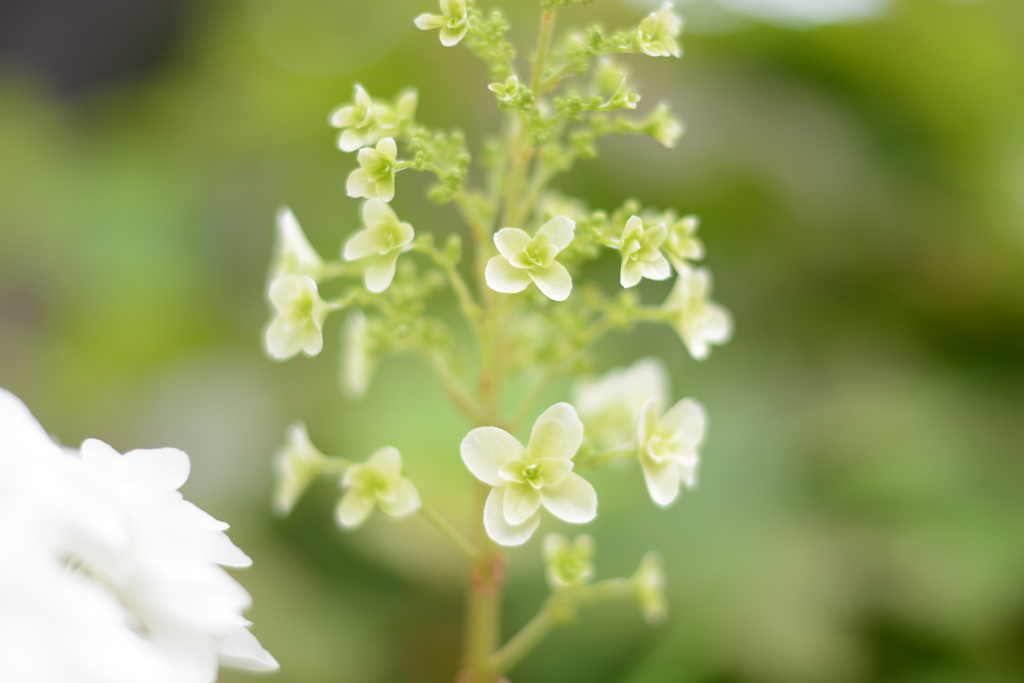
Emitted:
<point x="657" y="33"/>
<point x="698" y="321"/>
<point x="381" y="242"/>
<point x="293" y="254"/>
<point x="298" y="325"/>
<point x="610" y="405"/>
<point x="453" y="21"/>
<point x="113" y="576"/>
<point x="526" y="478"/>
<point x="641" y="254"/>
<point x="568" y="565"/>
<point x="524" y="259"/>
<point x="378" y="481"/>
<point x="667" y="446"/>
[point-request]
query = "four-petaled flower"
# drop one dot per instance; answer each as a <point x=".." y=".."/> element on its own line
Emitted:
<point x="378" y="481"/>
<point x="649" y="588"/>
<point x="383" y="239"/>
<point x="657" y="33"/>
<point x="526" y="478"/>
<point x="667" y="446"/>
<point x="293" y="254"/>
<point x="357" y="121"/>
<point x="523" y="259"/>
<point x="453" y="21"/>
<point x="507" y="92"/>
<point x="375" y="177"/>
<point x="568" y="565"/>
<point x="698" y="321"/>
<point x="663" y="126"/>
<point x="641" y="256"/>
<point x="610" y="405"/>
<point x="297" y="464"/>
<point x="298" y="325"/>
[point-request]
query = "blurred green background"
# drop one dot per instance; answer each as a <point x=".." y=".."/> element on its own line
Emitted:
<point x="861" y="186"/>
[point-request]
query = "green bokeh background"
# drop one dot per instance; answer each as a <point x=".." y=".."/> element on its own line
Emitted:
<point x="861" y="189"/>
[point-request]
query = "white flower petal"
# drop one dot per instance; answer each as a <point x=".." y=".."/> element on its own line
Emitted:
<point x="716" y="325"/>
<point x="353" y="508"/>
<point x="688" y="418"/>
<point x="406" y="500"/>
<point x="381" y="272"/>
<point x="388" y="148"/>
<point x="572" y="435"/>
<point x="559" y="230"/>
<point x="658" y="269"/>
<point x="631" y="273"/>
<point x="554" y="281"/>
<point x="511" y="240"/>
<point x="376" y="212"/>
<point x="662" y="480"/>
<point x="360" y="184"/>
<point x="351" y="139"/>
<point x="647" y="424"/>
<point x="241" y="650"/>
<point x="503" y="277"/>
<point x="387" y="461"/>
<point x="498" y="527"/>
<point x="362" y="244"/>
<point x="520" y="502"/>
<point x="486" y="449"/>
<point x="451" y="37"/>
<point x="427" y="22"/>
<point x="280" y="343"/>
<point x="160" y="468"/>
<point x="573" y="500"/>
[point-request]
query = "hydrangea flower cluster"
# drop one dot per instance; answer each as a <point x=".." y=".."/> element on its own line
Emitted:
<point x="519" y="275"/>
<point x="108" y="575"/>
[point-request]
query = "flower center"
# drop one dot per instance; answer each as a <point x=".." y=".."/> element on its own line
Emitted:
<point x="531" y="472"/>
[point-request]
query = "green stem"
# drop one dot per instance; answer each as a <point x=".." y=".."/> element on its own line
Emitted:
<point x="469" y="306"/>
<point x="455" y="390"/>
<point x="449" y="532"/>
<point x="547" y="25"/>
<point x="523" y="642"/>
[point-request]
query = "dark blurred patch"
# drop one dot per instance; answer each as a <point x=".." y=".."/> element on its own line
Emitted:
<point x="81" y="45"/>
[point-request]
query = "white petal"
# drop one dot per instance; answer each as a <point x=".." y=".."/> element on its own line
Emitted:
<point x="162" y="468"/>
<point x="521" y="501"/>
<point x="381" y="272"/>
<point x="503" y="277"/>
<point x="716" y="326"/>
<point x="388" y="148"/>
<point x="353" y="509"/>
<point x="689" y="419"/>
<point x="406" y="500"/>
<point x="573" y="500"/>
<point x="359" y="184"/>
<point x="554" y="281"/>
<point x="451" y="37"/>
<point x="559" y="230"/>
<point x="280" y="342"/>
<point x="572" y="435"/>
<point x="362" y="244"/>
<point x="510" y="240"/>
<point x="662" y="480"/>
<point x="241" y="650"/>
<point x="351" y="139"/>
<point x="647" y="424"/>
<point x="387" y="461"/>
<point x="21" y="436"/>
<point x="486" y="449"/>
<point x="658" y="269"/>
<point x="630" y="273"/>
<point x="498" y="527"/>
<point x="376" y="212"/>
<point x="312" y="339"/>
<point x="426" y="22"/>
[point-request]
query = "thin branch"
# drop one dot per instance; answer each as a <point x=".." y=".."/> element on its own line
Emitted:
<point x="450" y="532"/>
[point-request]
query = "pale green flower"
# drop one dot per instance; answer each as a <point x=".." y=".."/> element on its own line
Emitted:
<point x="656" y="35"/>
<point x="297" y="464"/>
<point x="524" y="479"/>
<point x="568" y="565"/>
<point x="293" y="254"/>
<point x="682" y="243"/>
<point x="698" y="321"/>
<point x="507" y="91"/>
<point x="375" y="177"/>
<point x="524" y="259"/>
<point x="300" y="317"/>
<point x="622" y="98"/>
<point x="641" y="256"/>
<point x="383" y="239"/>
<point x="667" y="446"/>
<point x="366" y="121"/>
<point x="610" y="405"/>
<point x="649" y="588"/>
<point x="453" y="21"/>
<point x="357" y="364"/>
<point x="378" y="481"/>
<point x="662" y="126"/>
